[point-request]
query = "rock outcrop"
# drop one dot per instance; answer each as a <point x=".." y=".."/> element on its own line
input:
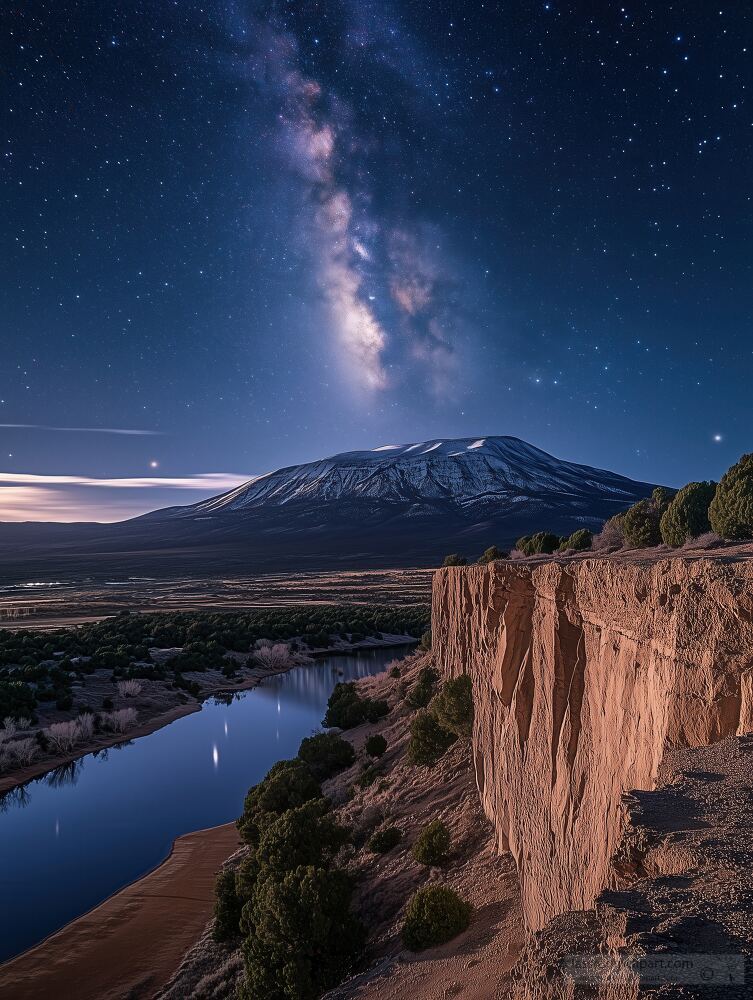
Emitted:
<point x="586" y="673"/>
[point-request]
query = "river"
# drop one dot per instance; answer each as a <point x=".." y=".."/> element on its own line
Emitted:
<point x="71" y="838"/>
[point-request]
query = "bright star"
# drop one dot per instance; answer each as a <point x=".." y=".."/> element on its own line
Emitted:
<point x="717" y="437"/>
<point x="153" y="464"/>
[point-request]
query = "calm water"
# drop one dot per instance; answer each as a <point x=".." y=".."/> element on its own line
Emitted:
<point x="71" y="838"/>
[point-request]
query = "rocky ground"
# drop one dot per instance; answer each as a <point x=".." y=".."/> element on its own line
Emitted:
<point x="677" y="923"/>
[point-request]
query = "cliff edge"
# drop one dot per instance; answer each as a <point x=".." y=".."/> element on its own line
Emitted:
<point x="586" y="674"/>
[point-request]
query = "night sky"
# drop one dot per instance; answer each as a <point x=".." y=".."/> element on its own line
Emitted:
<point x="264" y="233"/>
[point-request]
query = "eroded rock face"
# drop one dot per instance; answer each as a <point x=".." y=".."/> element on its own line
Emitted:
<point x="585" y="673"/>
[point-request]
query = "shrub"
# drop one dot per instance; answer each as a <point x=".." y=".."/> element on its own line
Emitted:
<point x="641" y="522"/>
<point x="306" y="835"/>
<point x="85" y="723"/>
<point x="542" y="543"/>
<point x="303" y="938"/>
<point x="368" y="776"/>
<point x="580" y="541"/>
<point x="25" y="751"/>
<point x="433" y="844"/>
<point x="491" y="554"/>
<point x="62" y="736"/>
<point x="346" y="708"/>
<point x="428" y="740"/>
<point x="375" y="745"/>
<point x="731" y="510"/>
<point x="395" y="671"/>
<point x="121" y="720"/>
<point x="688" y="514"/>
<point x="453" y="706"/>
<point x="612" y="535"/>
<point x="435" y="915"/>
<point x="276" y="656"/>
<point x="227" y="907"/>
<point x="107" y="704"/>
<point x="384" y="840"/>
<point x="326" y="754"/>
<point x="288" y="784"/>
<point x="129" y="688"/>
<point x="455" y="559"/>
<point x="423" y="689"/>
<point x="425" y="643"/>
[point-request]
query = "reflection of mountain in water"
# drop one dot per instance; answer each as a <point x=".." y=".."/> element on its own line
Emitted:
<point x="311" y="686"/>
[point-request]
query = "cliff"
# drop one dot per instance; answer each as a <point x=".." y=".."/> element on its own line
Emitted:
<point x="586" y="673"/>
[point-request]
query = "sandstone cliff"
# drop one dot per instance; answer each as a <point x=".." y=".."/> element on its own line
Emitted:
<point x="586" y="673"/>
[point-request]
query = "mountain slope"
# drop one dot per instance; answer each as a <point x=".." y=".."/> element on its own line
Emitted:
<point x="398" y="505"/>
<point x="464" y="472"/>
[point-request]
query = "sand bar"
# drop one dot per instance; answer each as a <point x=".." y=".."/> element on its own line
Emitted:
<point x="132" y="943"/>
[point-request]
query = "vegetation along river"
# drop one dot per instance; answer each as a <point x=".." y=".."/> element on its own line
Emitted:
<point x="74" y="836"/>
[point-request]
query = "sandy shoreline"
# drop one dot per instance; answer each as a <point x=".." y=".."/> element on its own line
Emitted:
<point x="132" y="943"/>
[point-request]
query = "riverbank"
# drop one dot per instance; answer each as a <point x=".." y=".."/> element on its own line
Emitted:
<point x="214" y="684"/>
<point x="132" y="943"/>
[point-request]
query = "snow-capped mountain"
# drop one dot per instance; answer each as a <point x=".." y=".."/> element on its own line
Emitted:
<point x="463" y="472"/>
<point x="396" y="505"/>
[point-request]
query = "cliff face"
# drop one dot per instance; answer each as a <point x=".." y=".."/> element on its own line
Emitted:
<point x="585" y="673"/>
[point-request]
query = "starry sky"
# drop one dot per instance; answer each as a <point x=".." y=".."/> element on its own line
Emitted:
<point x="241" y="235"/>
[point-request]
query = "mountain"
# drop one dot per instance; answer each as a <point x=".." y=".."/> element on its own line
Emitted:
<point x="496" y="472"/>
<point x="394" y="505"/>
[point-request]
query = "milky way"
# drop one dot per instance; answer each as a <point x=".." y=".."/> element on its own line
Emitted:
<point x="380" y="278"/>
<point x="267" y="232"/>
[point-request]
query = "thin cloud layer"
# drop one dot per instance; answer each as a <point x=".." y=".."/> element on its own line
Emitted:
<point x="84" y="430"/>
<point x="31" y="497"/>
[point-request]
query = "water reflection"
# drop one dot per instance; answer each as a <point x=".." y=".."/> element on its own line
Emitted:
<point x="66" y="774"/>
<point x="72" y="837"/>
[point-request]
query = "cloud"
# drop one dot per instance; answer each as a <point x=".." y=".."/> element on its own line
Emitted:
<point x="31" y="497"/>
<point x="84" y="430"/>
<point x="202" y="481"/>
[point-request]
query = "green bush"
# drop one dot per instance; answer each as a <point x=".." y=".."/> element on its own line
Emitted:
<point x="428" y="740"/>
<point x="491" y="554"/>
<point x="579" y="541"/>
<point x="307" y="835"/>
<point x="227" y="907"/>
<point x="395" y="672"/>
<point x="368" y="776"/>
<point x="384" y="840"/>
<point x="641" y="523"/>
<point x="375" y="745"/>
<point x="326" y="754"/>
<point x="422" y="691"/>
<point x="542" y="543"/>
<point x="455" y="559"/>
<point x="425" y="643"/>
<point x="433" y="844"/>
<point x="453" y="706"/>
<point x="302" y="938"/>
<point x="688" y="514"/>
<point x="288" y="784"/>
<point x="731" y="510"/>
<point x="435" y="915"/>
<point x="346" y="708"/>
